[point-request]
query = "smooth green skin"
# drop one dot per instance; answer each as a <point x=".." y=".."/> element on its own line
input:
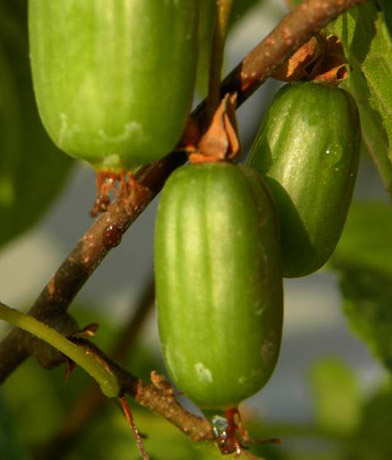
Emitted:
<point x="114" y="79"/>
<point x="218" y="283"/>
<point x="307" y="149"/>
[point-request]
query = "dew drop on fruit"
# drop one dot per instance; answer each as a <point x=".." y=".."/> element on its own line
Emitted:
<point x="333" y="153"/>
<point x="219" y="425"/>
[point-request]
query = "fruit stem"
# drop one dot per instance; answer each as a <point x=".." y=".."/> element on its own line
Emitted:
<point x="223" y="10"/>
<point x="128" y="415"/>
<point x="106" y="380"/>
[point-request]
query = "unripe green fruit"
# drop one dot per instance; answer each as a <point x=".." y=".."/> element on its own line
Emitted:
<point x="218" y="283"/>
<point x="114" y="79"/>
<point x="307" y="149"/>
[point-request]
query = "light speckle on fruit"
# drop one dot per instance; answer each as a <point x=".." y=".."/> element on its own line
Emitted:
<point x="131" y="128"/>
<point x="203" y="372"/>
<point x="63" y="128"/>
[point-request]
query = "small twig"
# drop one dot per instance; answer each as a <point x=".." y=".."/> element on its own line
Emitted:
<point x="297" y="27"/>
<point x="128" y="415"/>
<point x="79" y="265"/>
<point x="106" y="380"/>
<point x="91" y="399"/>
<point x="294" y="30"/>
<point x="160" y="399"/>
<point x="223" y="10"/>
<point x="112" y="378"/>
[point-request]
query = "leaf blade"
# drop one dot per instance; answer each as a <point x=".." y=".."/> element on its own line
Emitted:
<point x="368" y="49"/>
<point x="363" y="262"/>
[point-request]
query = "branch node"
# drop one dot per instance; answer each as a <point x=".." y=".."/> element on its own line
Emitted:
<point x="161" y="384"/>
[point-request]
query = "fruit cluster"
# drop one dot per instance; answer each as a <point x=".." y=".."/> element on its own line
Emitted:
<point x="225" y="234"/>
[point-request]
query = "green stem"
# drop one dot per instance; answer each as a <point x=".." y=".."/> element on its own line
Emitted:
<point x="220" y="33"/>
<point x="106" y="380"/>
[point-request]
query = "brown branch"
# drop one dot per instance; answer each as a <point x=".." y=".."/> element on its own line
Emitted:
<point x="91" y="399"/>
<point x="157" y="396"/>
<point x="103" y="235"/>
<point x="295" y="29"/>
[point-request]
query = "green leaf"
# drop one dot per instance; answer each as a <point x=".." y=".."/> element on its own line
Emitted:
<point x="386" y="7"/>
<point x="337" y="398"/>
<point x="368" y="49"/>
<point x="363" y="260"/>
<point x="373" y="131"/>
<point x="367" y="304"/>
<point x="366" y="241"/>
<point x="10" y="446"/>
<point x="32" y="170"/>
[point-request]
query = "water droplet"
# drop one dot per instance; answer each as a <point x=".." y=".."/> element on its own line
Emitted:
<point x="219" y="425"/>
<point x="111" y="236"/>
<point x="333" y="153"/>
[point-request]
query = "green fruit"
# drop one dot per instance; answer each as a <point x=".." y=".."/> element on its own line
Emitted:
<point x="307" y="149"/>
<point x="114" y="79"/>
<point x="218" y="282"/>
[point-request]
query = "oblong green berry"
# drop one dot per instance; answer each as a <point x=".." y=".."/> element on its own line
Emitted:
<point x="114" y="79"/>
<point x="307" y="149"/>
<point x="218" y="283"/>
